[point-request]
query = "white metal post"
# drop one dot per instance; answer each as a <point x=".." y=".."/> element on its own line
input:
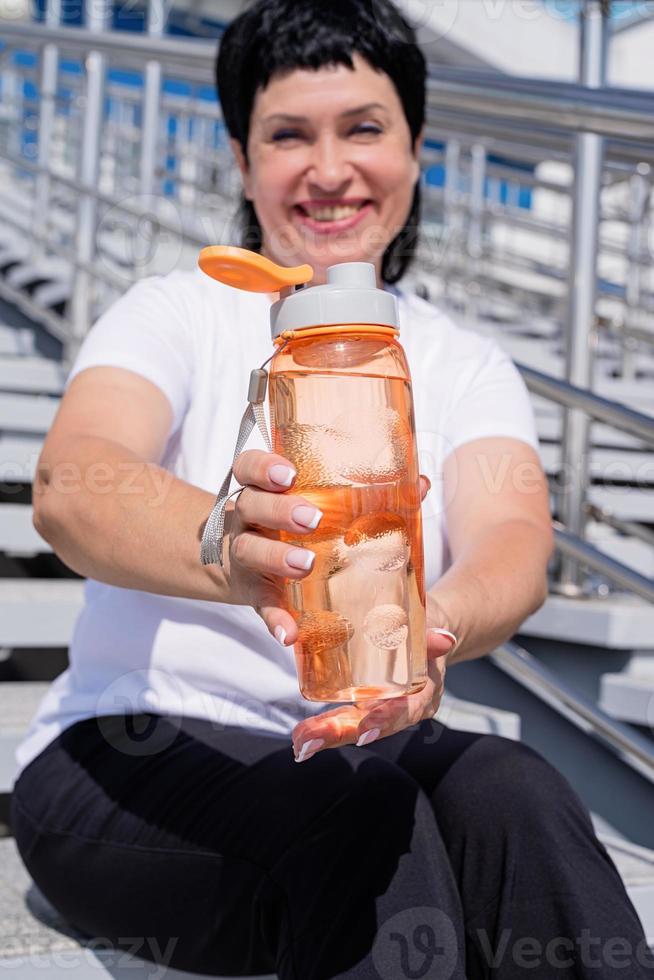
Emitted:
<point x="639" y="190"/>
<point x="475" y="227"/>
<point x="151" y="103"/>
<point x="98" y="14"/>
<point x="47" y="111"/>
<point x="151" y="111"/>
<point x="451" y="212"/>
<point x="580" y="338"/>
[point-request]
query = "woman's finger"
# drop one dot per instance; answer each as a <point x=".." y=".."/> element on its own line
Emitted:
<point x="336" y="726"/>
<point x="425" y="486"/>
<point x="279" y="511"/>
<point x="440" y="642"/>
<point x="280" y="624"/>
<point x="269" y="471"/>
<point x="270" y="557"/>
<point x="393" y="715"/>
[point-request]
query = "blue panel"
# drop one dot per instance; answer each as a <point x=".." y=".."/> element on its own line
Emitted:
<point x="74" y="67"/>
<point x="174" y="87"/>
<point x="127" y="17"/>
<point x="131" y="78"/>
<point x="435" y="175"/>
<point x="24" y="59"/>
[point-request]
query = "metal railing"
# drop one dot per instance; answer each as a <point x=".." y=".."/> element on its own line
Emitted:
<point x="499" y="164"/>
<point x="622" y="741"/>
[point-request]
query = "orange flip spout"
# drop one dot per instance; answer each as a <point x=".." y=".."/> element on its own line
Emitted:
<point x="247" y="270"/>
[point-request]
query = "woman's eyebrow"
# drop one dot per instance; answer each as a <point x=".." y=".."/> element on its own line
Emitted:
<point x="287" y="117"/>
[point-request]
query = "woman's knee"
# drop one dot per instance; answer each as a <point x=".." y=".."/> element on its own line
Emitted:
<point x="504" y="784"/>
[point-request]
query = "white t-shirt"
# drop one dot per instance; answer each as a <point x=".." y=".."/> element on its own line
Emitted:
<point x="198" y="340"/>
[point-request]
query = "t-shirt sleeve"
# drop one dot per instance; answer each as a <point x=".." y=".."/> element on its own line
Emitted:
<point x="492" y="400"/>
<point x="147" y="330"/>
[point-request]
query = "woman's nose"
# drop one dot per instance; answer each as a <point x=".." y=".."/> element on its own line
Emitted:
<point x="330" y="168"/>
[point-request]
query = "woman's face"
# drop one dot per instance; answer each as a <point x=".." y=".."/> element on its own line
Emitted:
<point x="330" y="169"/>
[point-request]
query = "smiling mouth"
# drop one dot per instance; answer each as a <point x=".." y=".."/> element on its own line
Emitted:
<point x="330" y="212"/>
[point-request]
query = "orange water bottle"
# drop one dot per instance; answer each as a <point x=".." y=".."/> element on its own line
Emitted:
<point x="341" y="411"/>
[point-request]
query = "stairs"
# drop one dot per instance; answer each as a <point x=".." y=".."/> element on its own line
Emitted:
<point x="35" y="939"/>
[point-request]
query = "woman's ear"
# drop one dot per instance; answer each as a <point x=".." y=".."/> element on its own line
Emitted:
<point x="243" y="166"/>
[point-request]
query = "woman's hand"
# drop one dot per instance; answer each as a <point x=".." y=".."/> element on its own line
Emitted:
<point x="348" y="725"/>
<point x="256" y="563"/>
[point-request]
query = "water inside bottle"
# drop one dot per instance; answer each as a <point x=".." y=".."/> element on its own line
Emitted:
<point x="360" y="612"/>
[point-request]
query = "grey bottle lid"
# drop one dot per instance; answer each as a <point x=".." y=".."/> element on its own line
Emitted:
<point x="350" y="295"/>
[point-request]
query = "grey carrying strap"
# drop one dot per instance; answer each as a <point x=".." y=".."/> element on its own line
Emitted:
<point x="211" y="549"/>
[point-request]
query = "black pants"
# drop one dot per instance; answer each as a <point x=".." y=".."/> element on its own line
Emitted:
<point x="430" y="854"/>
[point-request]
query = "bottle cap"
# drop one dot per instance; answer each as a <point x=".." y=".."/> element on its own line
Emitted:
<point x="350" y="294"/>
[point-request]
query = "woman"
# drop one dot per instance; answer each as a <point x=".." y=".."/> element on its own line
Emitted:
<point x="158" y="795"/>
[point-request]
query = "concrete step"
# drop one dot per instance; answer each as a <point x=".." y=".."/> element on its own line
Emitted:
<point x="37" y="375"/>
<point x="19" y="454"/>
<point x="18" y="703"/>
<point x="629" y="695"/>
<point x="468" y="716"/>
<point x="21" y="412"/>
<point x="35" y="939"/>
<point x="550" y="429"/>
<point x="18" y="535"/>
<point x="638" y="554"/>
<point x="608" y="464"/>
<point x="625" y="502"/>
<point x="618" y="621"/>
<point x="39" y="612"/>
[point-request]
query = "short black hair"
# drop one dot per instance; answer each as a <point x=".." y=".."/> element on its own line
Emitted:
<point x="276" y="36"/>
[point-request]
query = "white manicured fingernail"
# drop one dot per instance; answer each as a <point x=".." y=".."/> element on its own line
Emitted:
<point x="307" y="516"/>
<point x="300" y="558"/>
<point x="368" y="736"/>
<point x="280" y="634"/>
<point x="309" y="748"/>
<point x="283" y="475"/>
<point x="447" y="633"/>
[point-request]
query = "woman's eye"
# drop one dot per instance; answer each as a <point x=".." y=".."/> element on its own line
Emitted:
<point x="367" y="128"/>
<point x="285" y="134"/>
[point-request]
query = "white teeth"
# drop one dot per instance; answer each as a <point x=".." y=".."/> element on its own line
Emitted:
<point x="334" y="213"/>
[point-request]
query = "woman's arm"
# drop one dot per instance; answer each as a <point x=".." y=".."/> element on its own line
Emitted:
<point x="500" y="535"/>
<point x="102" y="501"/>
<point x="112" y="513"/>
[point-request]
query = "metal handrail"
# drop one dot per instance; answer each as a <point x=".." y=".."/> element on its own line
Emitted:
<point x="563" y="106"/>
<point x="622" y="741"/>
<point x="124" y="46"/>
<point x="590" y="556"/>
<point x="602" y="409"/>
